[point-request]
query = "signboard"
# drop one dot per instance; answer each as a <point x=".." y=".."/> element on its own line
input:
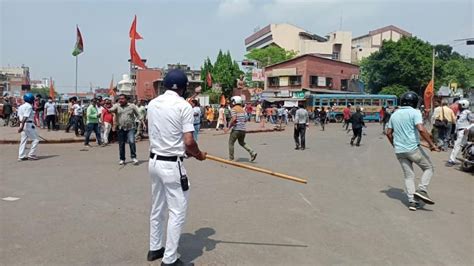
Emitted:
<point x="298" y="94"/>
<point x="258" y="75"/>
<point x="284" y="81"/>
<point x="321" y="81"/>
<point x="284" y="93"/>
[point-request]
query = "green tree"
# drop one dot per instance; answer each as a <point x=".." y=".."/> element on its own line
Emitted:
<point x="395" y="89"/>
<point x="458" y="71"/>
<point x="205" y="69"/>
<point x="270" y="55"/>
<point x="406" y="62"/>
<point x="225" y="72"/>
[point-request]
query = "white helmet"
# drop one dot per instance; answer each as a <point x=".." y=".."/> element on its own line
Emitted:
<point x="236" y="100"/>
<point x="464" y="104"/>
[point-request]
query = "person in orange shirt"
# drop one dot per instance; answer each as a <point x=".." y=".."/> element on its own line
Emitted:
<point x="209" y="115"/>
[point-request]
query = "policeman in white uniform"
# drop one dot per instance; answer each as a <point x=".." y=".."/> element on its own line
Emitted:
<point x="465" y="119"/>
<point x="170" y="122"/>
<point x="27" y="128"/>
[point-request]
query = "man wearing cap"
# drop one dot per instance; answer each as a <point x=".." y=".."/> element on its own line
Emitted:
<point x="170" y="129"/>
<point x="27" y="128"/>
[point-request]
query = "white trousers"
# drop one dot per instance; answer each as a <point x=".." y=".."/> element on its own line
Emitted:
<point x="167" y="196"/>
<point x="105" y="132"/>
<point x="29" y="132"/>
<point x="457" y="146"/>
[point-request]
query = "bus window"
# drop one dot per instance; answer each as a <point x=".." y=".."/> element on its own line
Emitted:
<point x="350" y="101"/>
<point x="332" y="102"/>
<point x="367" y="102"/>
<point x="358" y="102"/>
<point x="389" y="102"/>
<point x="324" y="102"/>
<point x="341" y="102"/>
<point x="316" y="102"/>
<point x="376" y="102"/>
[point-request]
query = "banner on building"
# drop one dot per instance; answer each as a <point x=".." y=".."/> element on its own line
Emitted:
<point x="321" y="81"/>
<point x="258" y="75"/>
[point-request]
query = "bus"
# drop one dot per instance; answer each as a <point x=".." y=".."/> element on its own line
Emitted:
<point x="371" y="104"/>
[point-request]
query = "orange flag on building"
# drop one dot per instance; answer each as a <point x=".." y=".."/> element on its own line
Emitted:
<point x="51" y="89"/>
<point x="428" y="96"/>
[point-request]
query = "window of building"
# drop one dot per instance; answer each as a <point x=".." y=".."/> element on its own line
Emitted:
<point x="273" y="81"/>
<point x="313" y="81"/>
<point x="335" y="55"/>
<point x="295" y="80"/>
<point x="329" y="82"/>
<point x="344" y="84"/>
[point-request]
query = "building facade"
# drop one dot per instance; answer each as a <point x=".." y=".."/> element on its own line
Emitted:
<point x="14" y="79"/>
<point x="310" y="73"/>
<point x="335" y="45"/>
<point x="365" y="45"/>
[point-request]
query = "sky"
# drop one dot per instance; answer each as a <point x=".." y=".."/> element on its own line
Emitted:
<point x="41" y="34"/>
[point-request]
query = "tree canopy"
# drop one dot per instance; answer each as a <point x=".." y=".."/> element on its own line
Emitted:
<point x="224" y="72"/>
<point x="408" y="63"/>
<point x="270" y="55"/>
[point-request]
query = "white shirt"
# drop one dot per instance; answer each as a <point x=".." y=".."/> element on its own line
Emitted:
<point x="465" y="119"/>
<point x="26" y="110"/>
<point x="169" y="117"/>
<point x="50" y="108"/>
<point x="77" y="109"/>
<point x="99" y="111"/>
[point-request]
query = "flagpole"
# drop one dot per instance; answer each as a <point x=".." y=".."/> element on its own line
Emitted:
<point x="76" y="76"/>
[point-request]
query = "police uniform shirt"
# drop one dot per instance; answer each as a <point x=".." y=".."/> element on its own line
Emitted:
<point x="169" y="116"/>
<point x="26" y="110"/>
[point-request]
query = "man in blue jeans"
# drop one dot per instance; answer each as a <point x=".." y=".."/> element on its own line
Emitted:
<point x="127" y="114"/>
<point x="196" y="118"/>
<point x="92" y="116"/>
<point x="403" y="132"/>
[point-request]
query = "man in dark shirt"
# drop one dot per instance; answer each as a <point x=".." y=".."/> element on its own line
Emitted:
<point x="7" y="111"/>
<point x="357" y="120"/>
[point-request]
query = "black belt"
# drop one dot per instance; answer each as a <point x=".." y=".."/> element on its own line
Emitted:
<point x="165" y="158"/>
<point x="28" y="121"/>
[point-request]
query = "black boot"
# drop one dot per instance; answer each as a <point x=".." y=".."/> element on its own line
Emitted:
<point x="155" y="254"/>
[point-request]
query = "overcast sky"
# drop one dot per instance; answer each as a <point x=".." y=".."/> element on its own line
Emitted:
<point x="41" y="34"/>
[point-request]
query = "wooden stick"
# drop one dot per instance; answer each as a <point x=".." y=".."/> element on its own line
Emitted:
<point x="257" y="169"/>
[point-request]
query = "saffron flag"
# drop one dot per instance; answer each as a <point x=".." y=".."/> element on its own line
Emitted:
<point x="111" y="88"/>
<point x="134" y="35"/>
<point x="209" y="79"/>
<point x="51" y="89"/>
<point x="428" y="95"/>
<point x="222" y="100"/>
<point x="79" y="47"/>
<point x="133" y="30"/>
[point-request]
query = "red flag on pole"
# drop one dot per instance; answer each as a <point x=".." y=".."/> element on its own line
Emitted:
<point x="51" y="89"/>
<point x="134" y="35"/>
<point x="209" y="79"/>
<point x="428" y="95"/>
<point x="133" y="30"/>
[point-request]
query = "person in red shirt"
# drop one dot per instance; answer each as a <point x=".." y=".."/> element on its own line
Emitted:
<point x="347" y="116"/>
<point x="248" y="110"/>
<point x="107" y="119"/>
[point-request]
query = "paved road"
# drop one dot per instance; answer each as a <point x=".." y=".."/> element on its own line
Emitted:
<point x="80" y="207"/>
